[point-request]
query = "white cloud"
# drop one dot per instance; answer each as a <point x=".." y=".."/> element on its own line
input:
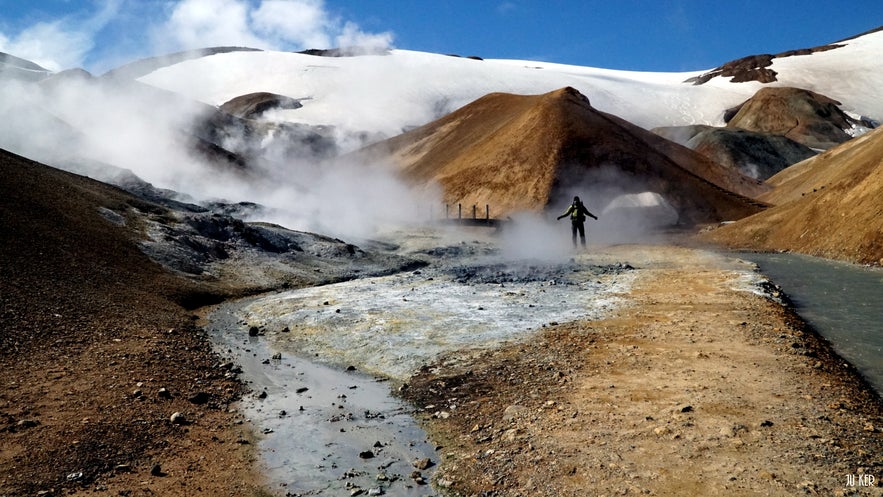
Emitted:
<point x="302" y="22"/>
<point x="351" y="37"/>
<point x="87" y="34"/>
<point x="267" y="24"/>
<point x="205" y="23"/>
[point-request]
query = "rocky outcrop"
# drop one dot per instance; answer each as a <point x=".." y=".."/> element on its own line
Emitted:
<point x="254" y="104"/>
<point x="756" y="155"/>
<point x="802" y="115"/>
<point x="758" y="67"/>
<point x="774" y="129"/>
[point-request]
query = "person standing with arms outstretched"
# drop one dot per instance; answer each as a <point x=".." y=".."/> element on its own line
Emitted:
<point x="578" y="212"/>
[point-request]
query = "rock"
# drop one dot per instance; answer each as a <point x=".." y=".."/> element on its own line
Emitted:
<point x="422" y="464"/>
<point x="301" y="390"/>
<point x="156" y="470"/>
<point x="164" y="393"/>
<point x="199" y="398"/>
<point x="366" y="454"/>
<point x="514" y="411"/>
<point x="27" y="423"/>
<point x="178" y="418"/>
<point x="122" y="468"/>
<point x="253" y="331"/>
<point x="661" y="430"/>
<point x="375" y="491"/>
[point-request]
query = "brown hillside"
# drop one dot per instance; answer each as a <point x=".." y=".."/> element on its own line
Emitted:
<point x="801" y="115"/>
<point x="518" y="152"/>
<point x="84" y="317"/>
<point x="830" y="205"/>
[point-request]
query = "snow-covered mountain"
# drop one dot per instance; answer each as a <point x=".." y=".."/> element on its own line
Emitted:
<point x="161" y="118"/>
<point x="391" y="92"/>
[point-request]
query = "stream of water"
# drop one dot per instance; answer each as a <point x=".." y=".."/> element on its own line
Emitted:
<point x="843" y="302"/>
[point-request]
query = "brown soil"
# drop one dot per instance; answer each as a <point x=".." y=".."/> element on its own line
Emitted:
<point x="86" y="321"/>
<point x="829" y="206"/>
<point x="693" y="389"/>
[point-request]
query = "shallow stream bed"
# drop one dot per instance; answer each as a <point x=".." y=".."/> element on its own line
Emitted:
<point x="321" y="361"/>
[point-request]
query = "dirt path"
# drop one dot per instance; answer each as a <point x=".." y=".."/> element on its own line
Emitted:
<point x="694" y="389"/>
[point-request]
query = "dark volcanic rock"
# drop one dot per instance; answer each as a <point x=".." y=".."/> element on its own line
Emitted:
<point x="754" y="67"/>
<point x="255" y="104"/>
<point x="751" y="68"/>
<point x="757" y="155"/>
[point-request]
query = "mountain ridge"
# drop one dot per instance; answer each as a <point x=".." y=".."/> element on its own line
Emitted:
<point x="517" y="152"/>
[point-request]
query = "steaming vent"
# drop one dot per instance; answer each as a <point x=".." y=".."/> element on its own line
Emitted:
<point x="645" y="211"/>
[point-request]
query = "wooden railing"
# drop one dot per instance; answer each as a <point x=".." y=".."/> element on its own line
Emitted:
<point x="487" y="220"/>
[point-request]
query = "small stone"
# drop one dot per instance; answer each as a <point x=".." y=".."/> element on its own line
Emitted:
<point x="253" y="331"/>
<point x="765" y="423"/>
<point x="727" y="431"/>
<point x="301" y="390"/>
<point x="178" y="418"/>
<point x="366" y="454"/>
<point x="164" y="393"/>
<point x="869" y="427"/>
<point x="422" y="463"/>
<point x="514" y="411"/>
<point x="199" y="398"/>
<point x="156" y="470"/>
<point x="686" y="408"/>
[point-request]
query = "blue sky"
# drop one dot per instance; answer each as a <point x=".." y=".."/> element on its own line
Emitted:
<point x="673" y="35"/>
